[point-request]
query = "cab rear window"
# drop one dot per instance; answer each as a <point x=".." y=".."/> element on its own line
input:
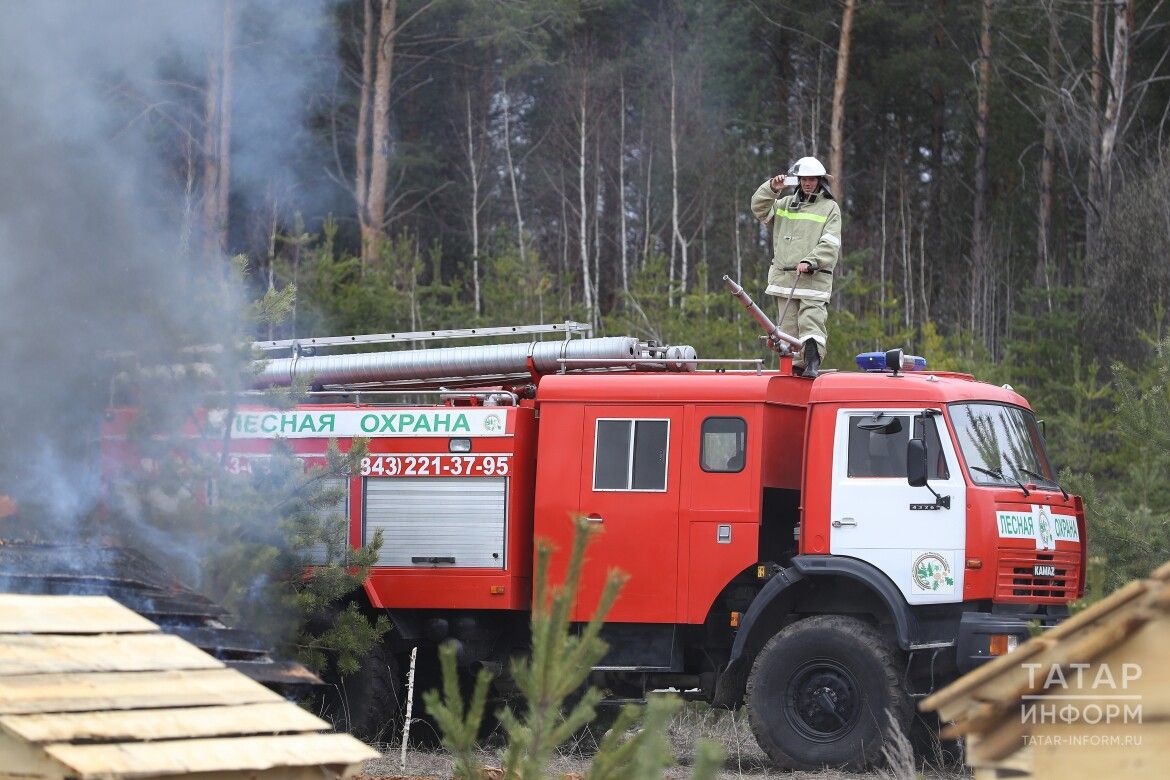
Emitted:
<point x="724" y="444"/>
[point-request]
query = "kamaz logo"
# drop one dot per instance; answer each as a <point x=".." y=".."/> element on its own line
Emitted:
<point x="1044" y="570"/>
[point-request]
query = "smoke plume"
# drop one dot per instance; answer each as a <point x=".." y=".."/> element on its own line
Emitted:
<point x="97" y="206"/>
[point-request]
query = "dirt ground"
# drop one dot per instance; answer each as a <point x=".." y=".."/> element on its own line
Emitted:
<point x="744" y="758"/>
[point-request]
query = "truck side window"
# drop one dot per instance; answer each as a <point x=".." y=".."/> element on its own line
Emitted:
<point x="630" y="455"/>
<point x="877" y="445"/>
<point x="723" y="445"/>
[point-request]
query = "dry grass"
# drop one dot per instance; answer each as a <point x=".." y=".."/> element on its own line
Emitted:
<point x="745" y="759"/>
<point x="899" y="757"/>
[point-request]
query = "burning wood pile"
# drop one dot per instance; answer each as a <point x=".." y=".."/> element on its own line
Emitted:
<point x="140" y="584"/>
<point x="90" y="689"/>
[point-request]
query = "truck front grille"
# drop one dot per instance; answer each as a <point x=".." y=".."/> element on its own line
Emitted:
<point x="1017" y="580"/>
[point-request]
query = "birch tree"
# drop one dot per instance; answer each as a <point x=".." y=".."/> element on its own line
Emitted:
<point x="676" y="236"/>
<point x="980" y="255"/>
<point x="582" y="116"/>
<point x="647" y="227"/>
<point x="476" y="164"/>
<point x="1096" y="81"/>
<point x="507" y="112"/>
<point x="623" y="240"/>
<point x="938" y="117"/>
<point x="1115" y="97"/>
<point x="1041" y="277"/>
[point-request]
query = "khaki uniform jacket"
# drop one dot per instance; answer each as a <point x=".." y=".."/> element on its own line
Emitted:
<point x="810" y="232"/>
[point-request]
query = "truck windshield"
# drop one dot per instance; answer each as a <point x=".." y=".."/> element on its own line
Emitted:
<point x="1001" y="444"/>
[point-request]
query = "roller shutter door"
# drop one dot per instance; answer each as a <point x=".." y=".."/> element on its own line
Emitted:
<point x="437" y="521"/>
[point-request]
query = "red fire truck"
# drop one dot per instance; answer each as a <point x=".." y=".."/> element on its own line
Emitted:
<point x="820" y="550"/>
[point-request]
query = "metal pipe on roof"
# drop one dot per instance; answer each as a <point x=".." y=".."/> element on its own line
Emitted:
<point x="778" y="340"/>
<point x="488" y="361"/>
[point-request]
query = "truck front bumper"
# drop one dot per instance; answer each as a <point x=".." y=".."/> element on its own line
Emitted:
<point x="973" y="645"/>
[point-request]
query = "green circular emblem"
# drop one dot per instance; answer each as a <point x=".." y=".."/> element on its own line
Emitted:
<point x="932" y="571"/>
<point x="1044" y="529"/>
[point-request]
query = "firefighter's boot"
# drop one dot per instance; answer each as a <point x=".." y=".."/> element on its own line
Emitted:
<point x="812" y="359"/>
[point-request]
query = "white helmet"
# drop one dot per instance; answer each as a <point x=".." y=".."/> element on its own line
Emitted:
<point x="807" y="166"/>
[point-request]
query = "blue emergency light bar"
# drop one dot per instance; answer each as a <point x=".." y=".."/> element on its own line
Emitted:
<point x="876" y="361"/>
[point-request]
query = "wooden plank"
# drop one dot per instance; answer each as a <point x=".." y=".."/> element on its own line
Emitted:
<point x="1115" y="601"/>
<point x="1015" y="680"/>
<point x="1004" y="694"/>
<point x="1116" y="649"/>
<point x="1108" y="608"/>
<point x="1020" y="761"/>
<point x="999" y="774"/>
<point x="20" y="614"/>
<point x="166" y="757"/>
<point x="57" y="654"/>
<point x="129" y="725"/>
<point x="1102" y="751"/>
<point x="998" y="743"/>
<point x="128" y="690"/>
<point x="331" y="772"/>
<point x="20" y="759"/>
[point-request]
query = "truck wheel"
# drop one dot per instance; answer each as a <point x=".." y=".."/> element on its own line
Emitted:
<point x="824" y="692"/>
<point x="373" y="697"/>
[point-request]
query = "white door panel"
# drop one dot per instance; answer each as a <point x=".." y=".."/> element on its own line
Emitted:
<point x="921" y="550"/>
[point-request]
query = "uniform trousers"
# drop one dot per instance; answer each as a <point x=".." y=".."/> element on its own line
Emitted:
<point x="806" y="320"/>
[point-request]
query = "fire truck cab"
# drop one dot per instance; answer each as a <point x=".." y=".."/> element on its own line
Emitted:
<point x="846" y="543"/>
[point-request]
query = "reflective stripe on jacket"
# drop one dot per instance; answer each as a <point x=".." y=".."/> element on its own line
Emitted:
<point x="807" y="231"/>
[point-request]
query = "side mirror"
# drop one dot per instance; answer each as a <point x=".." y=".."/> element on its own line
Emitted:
<point x="916" y="462"/>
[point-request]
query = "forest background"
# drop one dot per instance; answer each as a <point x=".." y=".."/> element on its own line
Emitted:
<point x="1003" y="170"/>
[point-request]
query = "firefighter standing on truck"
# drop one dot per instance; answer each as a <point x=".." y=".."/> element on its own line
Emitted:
<point x="806" y="241"/>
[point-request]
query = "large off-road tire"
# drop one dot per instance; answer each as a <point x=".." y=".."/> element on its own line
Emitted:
<point x="825" y="692"/>
<point x="373" y="698"/>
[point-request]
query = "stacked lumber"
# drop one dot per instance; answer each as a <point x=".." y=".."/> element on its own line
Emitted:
<point x="90" y="689"/>
<point x="139" y="583"/>
<point x="1041" y="710"/>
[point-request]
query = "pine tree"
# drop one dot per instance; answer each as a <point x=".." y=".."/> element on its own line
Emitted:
<point x="262" y="536"/>
<point x="556" y="704"/>
<point x="1129" y="520"/>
